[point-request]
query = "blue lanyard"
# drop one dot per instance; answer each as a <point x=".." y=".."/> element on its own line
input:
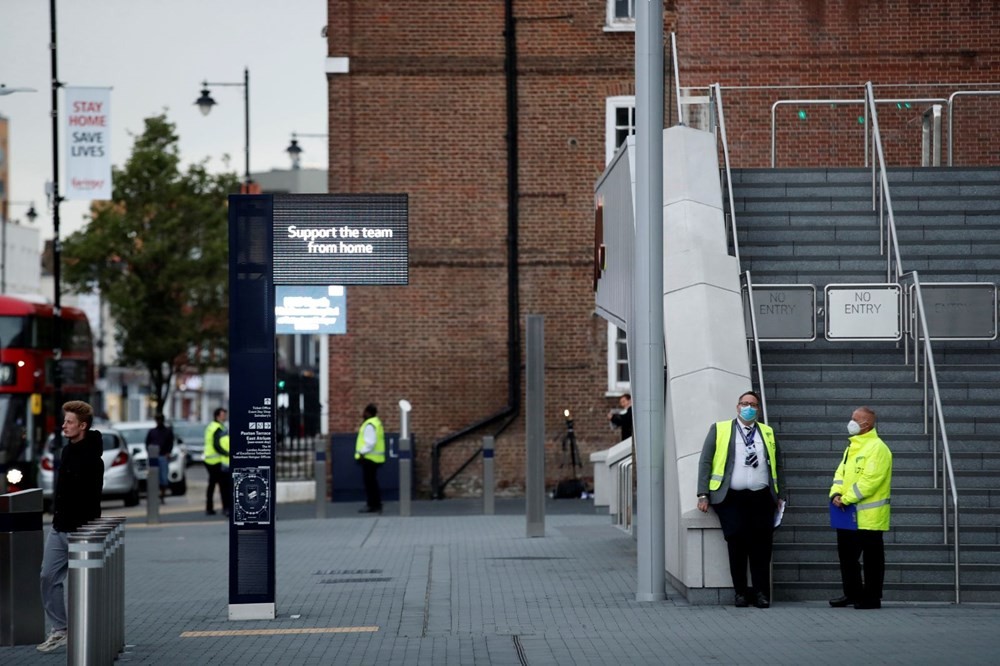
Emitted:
<point x="748" y="437"/>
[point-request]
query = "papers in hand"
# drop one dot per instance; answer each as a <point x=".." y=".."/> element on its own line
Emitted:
<point x="779" y="512"/>
<point x="844" y="517"/>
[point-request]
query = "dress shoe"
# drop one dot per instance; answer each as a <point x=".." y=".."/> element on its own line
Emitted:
<point x="762" y="601"/>
<point x="868" y="605"/>
<point x="368" y="509"/>
<point x="210" y="512"/>
<point x="741" y="601"/>
<point x="841" y="602"/>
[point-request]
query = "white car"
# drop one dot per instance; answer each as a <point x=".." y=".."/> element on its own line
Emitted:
<point x="120" y="481"/>
<point x="192" y="435"/>
<point x="134" y="433"/>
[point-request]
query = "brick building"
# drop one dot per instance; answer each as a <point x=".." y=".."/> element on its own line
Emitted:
<point x="419" y="103"/>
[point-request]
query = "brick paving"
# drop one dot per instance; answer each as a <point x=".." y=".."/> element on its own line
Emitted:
<point x="448" y="586"/>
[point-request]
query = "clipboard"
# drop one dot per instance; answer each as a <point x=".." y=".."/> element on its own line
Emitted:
<point x="845" y="518"/>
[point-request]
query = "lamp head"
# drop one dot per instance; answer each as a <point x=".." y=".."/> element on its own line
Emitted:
<point x="205" y="102"/>
<point x="294" y="151"/>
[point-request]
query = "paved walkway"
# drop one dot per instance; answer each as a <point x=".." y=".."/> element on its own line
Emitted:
<point x="448" y="586"/>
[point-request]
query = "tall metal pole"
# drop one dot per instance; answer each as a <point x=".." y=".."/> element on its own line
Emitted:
<point x="56" y="243"/>
<point x="648" y="301"/>
<point x="246" y="126"/>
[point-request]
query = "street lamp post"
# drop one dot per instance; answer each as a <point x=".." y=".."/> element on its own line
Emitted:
<point x="205" y="104"/>
<point x="295" y="151"/>
<point x="32" y="215"/>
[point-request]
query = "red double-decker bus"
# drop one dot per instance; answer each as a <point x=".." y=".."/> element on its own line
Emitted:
<point x="27" y="410"/>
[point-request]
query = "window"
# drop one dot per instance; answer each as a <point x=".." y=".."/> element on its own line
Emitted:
<point x="619" y="124"/>
<point x="621" y="15"/>
<point x="618" y="377"/>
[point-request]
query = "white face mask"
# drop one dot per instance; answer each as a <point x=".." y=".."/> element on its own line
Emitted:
<point x="853" y="428"/>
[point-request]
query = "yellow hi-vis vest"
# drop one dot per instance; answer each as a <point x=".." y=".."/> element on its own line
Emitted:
<point x="864" y="478"/>
<point x="723" y="431"/>
<point x="212" y="456"/>
<point x="376" y="455"/>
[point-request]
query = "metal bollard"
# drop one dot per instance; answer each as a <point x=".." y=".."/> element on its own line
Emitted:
<point x="87" y="558"/>
<point x="320" y="474"/>
<point x="405" y="458"/>
<point x="153" y="485"/>
<point x="97" y="592"/>
<point x="489" y="506"/>
<point x="115" y="593"/>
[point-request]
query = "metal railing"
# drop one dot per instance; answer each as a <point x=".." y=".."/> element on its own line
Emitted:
<point x="951" y="104"/>
<point x="813" y="102"/>
<point x="880" y="182"/>
<point x="719" y="123"/>
<point x="677" y="77"/>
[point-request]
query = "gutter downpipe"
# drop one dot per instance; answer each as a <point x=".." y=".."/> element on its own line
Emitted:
<point x="511" y="411"/>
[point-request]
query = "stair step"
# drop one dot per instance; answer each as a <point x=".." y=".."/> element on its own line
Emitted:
<point x="905" y="535"/>
<point x="896" y="573"/>
<point x="817" y="226"/>
<point x="892" y="592"/>
<point x="898" y="553"/>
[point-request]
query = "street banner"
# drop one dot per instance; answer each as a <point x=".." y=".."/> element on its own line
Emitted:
<point x="88" y="143"/>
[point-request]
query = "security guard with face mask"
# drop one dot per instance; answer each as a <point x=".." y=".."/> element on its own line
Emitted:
<point x="740" y="475"/>
<point x="862" y="481"/>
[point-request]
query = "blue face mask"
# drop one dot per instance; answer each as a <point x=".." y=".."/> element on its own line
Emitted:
<point x="748" y="413"/>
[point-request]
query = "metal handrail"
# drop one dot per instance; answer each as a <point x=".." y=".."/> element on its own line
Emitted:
<point x="677" y="77"/>
<point x="756" y="347"/>
<point x="716" y="96"/>
<point x="814" y="102"/>
<point x="951" y="103"/>
<point x="949" y="471"/>
<point x="885" y="200"/>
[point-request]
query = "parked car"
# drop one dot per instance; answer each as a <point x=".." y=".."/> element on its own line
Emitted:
<point x="192" y="434"/>
<point x="134" y="433"/>
<point x="120" y="480"/>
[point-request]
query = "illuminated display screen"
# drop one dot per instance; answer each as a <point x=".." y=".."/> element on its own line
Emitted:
<point x="342" y="239"/>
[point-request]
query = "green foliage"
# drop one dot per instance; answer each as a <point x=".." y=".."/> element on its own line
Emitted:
<point x="158" y="253"/>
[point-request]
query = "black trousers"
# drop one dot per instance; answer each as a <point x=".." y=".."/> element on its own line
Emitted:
<point x="747" y="519"/>
<point x="369" y="473"/>
<point x="217" y="476"/>
<point x="853" y="545"/>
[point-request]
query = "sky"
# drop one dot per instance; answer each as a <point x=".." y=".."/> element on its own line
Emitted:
<point x="155" y="55"/>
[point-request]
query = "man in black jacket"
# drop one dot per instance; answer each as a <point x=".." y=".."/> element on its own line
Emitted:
<point x="76" y="500"/>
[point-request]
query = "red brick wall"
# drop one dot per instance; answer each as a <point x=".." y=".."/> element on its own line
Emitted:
<point x="906" y="48"/>
<point x="423" y="111"/>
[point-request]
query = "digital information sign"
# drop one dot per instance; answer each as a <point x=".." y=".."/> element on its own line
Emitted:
<point x="285" y="250"/>
<point x="345" y="239"/>
<point x="314" y="310"/>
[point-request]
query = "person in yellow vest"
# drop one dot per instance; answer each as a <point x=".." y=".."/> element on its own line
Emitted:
<point x="863" y="480"/>
<point x="369" y="451"/>
<point x="217" y="463"/>
<point x="740" y="476"/>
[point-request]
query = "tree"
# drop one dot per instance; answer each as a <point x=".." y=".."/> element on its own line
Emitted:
<point x="158" y="253"/>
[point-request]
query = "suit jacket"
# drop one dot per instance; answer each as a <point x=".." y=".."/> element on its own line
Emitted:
<point x="705" y="466"/>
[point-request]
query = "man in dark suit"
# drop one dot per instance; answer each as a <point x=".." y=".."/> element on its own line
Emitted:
<point x="740" y="475"/>
<point x="623" y="419"/>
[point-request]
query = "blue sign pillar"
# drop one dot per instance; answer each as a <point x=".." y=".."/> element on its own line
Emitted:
<point x="290" y="240"/>
<point x="252" y="403"/>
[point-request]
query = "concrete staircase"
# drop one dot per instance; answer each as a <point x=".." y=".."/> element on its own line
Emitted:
<point x="817" y="227"/>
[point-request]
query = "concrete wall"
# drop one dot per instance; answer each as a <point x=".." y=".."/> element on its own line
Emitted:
<point x="707" y="364"/>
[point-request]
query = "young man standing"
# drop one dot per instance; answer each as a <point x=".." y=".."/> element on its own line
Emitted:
<point x="76" y="500"/>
